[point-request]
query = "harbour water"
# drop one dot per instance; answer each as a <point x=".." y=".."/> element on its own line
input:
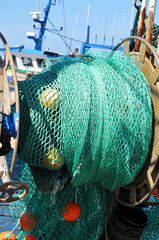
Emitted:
<point x="7" y="223"/>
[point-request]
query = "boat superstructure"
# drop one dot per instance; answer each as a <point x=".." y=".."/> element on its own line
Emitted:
<point x="28" y="61"/>
<point x="27" y="64"/>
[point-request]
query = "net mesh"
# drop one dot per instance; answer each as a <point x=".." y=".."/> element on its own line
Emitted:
<point x="155" y="38"/>
<point x="51" y="224"/>
<point x="152" y="231"/>
<point x="92" y="114"/>
<point x="85" y="127"/>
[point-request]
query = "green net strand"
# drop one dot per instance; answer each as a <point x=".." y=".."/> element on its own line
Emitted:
<point x="122" y="132"/>
<point x="50" y="216"/>
<point x="75" y="112"/>
<point x="92" y="116"/>
<point x="155" y="36"/>
<point x="51" y="224"/>
<point x="151" y="231"/>
<point x="123" y="136"/>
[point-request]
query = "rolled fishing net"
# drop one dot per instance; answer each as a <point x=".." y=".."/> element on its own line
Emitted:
<point x="85" y="128"/>
<point x="91" y="116"/>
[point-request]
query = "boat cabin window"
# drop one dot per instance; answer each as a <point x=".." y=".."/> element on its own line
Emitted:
<point x="39" y="61"/>
<point x="27" y="61"/>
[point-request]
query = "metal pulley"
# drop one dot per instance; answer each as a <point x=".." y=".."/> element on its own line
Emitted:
<point x="9" y="131"/>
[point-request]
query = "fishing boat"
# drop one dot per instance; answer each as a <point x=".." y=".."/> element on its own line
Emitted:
<point x="28" y="61"/>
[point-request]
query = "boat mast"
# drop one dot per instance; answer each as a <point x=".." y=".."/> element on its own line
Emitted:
<point x="38" y="10"/>
<point x="122" y="27"/>
<point x="88" y="27"/>
<point x="42" y="22"/>
<point x="38" y="41"/>
<point x="106" y="20"/>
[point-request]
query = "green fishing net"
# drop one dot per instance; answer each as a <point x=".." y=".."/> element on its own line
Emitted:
<point x="155" y="38"/>
<point x="92" y="116"/>
<point x="85" y="127"/>
<point x="51" y="224"/>
<point x="152" y="231"/>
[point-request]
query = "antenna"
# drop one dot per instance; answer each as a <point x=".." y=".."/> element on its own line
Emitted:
<point x="74" y="29"/>
<point x="122" y="27"/>
<point x="38" y="6"/>
<point x="96" y="39"/>
<point x="106" y="20"/>
<point x="132" y="12"/>
<point x="113" y="28"/>
<point x="64" y="22"/>
<point x="88" y="17"/>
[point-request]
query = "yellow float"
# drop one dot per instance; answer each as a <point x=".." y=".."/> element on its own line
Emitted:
<point x="52" y="158"/>
<point x="50" y="99"/>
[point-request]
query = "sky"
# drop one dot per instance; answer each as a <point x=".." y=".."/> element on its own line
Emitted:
<point x="15" y="21"/>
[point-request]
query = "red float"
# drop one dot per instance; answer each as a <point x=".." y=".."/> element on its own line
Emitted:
<point x="71" y="211"/>
<point x="28" y="221"/>
<point x="29" y="237"/>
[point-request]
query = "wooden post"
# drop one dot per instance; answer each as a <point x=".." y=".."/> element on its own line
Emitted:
<point x="141" y="23"/>
<point x="1" y="79"/>
<point x="152" y="7"/>
<point x="158" y="47"/>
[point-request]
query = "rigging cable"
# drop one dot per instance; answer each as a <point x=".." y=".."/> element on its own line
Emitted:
<point x="64" y="22"/>
<point x="74" y="29"/>
<point x="61" y="38"/>
<point x="70" y="38"/>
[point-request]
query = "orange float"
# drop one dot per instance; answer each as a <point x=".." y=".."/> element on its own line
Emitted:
<point x="71" y="211"/>
<point x="29" y="237"/>
<point x="3" y="236"/>
<point x="156" y="193"/>
<point x="28" y="221"/>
